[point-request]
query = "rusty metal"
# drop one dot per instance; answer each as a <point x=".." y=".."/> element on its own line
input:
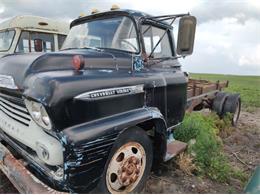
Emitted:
<point x="198" y="87"/>
<point x="200" y="91"/>
<point x="23" y="180"/>
<point x="174" y="148"/>
<point x="127" y="168"/>
<point x="130" y="171"/>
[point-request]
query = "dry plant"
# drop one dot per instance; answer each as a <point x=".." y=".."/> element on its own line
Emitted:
<point x="185" y="163"/>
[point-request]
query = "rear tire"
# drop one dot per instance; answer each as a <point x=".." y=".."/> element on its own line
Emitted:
<point x="218" y="103"/>
<point x="233" y="106"/>
<point x="129" y="163"/>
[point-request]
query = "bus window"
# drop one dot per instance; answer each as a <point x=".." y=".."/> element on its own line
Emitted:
<point x="27" y="42"/>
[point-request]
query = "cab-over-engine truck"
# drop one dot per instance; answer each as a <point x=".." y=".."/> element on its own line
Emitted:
<point x="97" y="115"/>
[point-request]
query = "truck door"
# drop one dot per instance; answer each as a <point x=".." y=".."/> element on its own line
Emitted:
<point x="172" y="96"/>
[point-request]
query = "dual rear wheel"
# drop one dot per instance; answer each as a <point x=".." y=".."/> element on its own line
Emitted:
<point x="227" y="103"/>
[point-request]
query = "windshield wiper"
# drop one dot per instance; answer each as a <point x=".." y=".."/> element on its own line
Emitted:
<point x="94" y="48"/>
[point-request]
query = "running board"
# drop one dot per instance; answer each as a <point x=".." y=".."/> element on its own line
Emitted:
<point x="174" y="148"/>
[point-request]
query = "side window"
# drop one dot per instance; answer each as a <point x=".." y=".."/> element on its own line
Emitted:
<point x="61" y="39"/>
<point x="29" y="40"/>
<point x="152" y="35"/>
<point x="23" y="44"/>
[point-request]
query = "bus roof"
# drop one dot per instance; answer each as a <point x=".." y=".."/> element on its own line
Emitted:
<point x="36" y="23"/>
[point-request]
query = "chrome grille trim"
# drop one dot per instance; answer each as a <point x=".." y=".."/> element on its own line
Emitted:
<point x="14" y="105"/>
<point x="14" y="109"/>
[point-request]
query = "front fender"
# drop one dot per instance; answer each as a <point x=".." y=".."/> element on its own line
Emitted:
<point x="87" y="146"/>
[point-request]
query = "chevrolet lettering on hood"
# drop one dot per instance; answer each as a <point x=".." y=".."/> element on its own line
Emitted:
<point x="7" y="81"/>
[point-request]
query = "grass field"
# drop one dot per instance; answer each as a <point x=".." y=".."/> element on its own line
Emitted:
<point x="247" y="86"/>
<point x="207" y="132"/>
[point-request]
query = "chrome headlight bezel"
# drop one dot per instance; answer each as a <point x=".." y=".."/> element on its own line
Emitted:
<point x="38" y="114"/>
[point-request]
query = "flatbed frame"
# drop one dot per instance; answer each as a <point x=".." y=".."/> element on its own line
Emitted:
<point x="201" y="93"/>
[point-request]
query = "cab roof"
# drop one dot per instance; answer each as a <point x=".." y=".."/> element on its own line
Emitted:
<point x="36" y="23"/>
<point x="119" y="12"/>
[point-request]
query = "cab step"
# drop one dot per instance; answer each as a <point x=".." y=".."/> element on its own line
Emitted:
<point x="174" y="148"/>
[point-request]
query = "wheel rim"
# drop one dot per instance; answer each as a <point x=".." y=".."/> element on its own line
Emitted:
<point x="236" y="114"/>
<point x="126" y="168"/>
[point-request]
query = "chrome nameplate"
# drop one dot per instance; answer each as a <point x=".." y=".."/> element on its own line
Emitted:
<point x="105" y="93"/>
<point x="7" y="81"/>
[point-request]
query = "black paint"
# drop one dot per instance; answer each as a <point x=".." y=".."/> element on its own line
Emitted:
<point x="88" y="128"/>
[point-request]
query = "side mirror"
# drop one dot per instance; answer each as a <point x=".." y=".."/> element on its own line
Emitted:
<point x="186" y="35"/>
<point x="38" y="45"/>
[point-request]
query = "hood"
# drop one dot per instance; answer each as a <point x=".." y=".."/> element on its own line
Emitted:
<point x="2" y="54"/>
<point x="16" y="66"/>
<point x="20" y="66"/>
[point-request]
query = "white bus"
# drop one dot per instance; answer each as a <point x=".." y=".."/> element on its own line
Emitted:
<point x="24" y="34"/>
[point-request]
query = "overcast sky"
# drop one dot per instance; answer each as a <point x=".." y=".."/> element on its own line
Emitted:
<point x="227" y="35"/>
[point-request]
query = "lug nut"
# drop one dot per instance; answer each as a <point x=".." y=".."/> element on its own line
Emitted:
<point x="124" y="180"/>
<point x="137" y="161"/>
<point x="123" y="169"/>
<point x="134" y="178"/>
<point x="130" y="160"/>
<point x="127" y="182"/>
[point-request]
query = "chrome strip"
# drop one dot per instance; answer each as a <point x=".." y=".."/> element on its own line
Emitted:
<point x="110" y="92"/>
<point x="13" y="105"/>
<point x="15" y="116"/>
<point x="15" y="111"/>
<point x="7" y="81"/>
<point x="172" y="127"/>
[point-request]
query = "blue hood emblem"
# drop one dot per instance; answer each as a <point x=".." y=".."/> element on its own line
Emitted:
<point x="138" y="63"/>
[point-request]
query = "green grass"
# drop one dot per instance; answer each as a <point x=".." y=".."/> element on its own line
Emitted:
<point x="202" y="133"/>
<point x="247" y="86"/>
<point x="207" y="147"/>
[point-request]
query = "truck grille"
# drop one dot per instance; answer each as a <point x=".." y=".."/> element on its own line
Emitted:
<point x="14" y="107"/>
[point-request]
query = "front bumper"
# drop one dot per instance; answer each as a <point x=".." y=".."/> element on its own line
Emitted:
<point x="20" y="176"/>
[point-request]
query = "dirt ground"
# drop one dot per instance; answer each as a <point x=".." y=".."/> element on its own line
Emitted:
<point x="242" y="147"/>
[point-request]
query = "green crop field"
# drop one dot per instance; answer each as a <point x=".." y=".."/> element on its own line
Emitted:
<point x="247" y="86"/>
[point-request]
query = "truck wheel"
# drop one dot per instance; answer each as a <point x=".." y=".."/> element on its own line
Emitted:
<point x="218" y="103"/>
<point x="233" y="106"/>
<point x="129" y="163"/>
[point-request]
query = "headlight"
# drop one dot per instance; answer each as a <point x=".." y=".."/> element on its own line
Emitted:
<point x="39" y="114"/>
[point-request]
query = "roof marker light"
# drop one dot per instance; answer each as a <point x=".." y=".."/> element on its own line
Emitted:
<point x="43" y="23"/>
<point x="114" y="7"/>
<point x="94" y="11"/>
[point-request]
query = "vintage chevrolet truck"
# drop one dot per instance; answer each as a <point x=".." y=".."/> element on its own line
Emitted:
<point x="100" y="114"/>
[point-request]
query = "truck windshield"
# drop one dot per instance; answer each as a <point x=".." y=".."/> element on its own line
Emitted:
<point x="6" y="39"/>
<point x="113" y="33"/>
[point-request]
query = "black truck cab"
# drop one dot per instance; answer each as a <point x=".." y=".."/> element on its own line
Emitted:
<point x="99" y="113"/>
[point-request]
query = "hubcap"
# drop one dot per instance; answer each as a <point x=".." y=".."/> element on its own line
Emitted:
<point x="126" y="168"/>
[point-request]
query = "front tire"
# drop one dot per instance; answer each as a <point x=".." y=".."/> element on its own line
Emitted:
<point x="129" y="163"/>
